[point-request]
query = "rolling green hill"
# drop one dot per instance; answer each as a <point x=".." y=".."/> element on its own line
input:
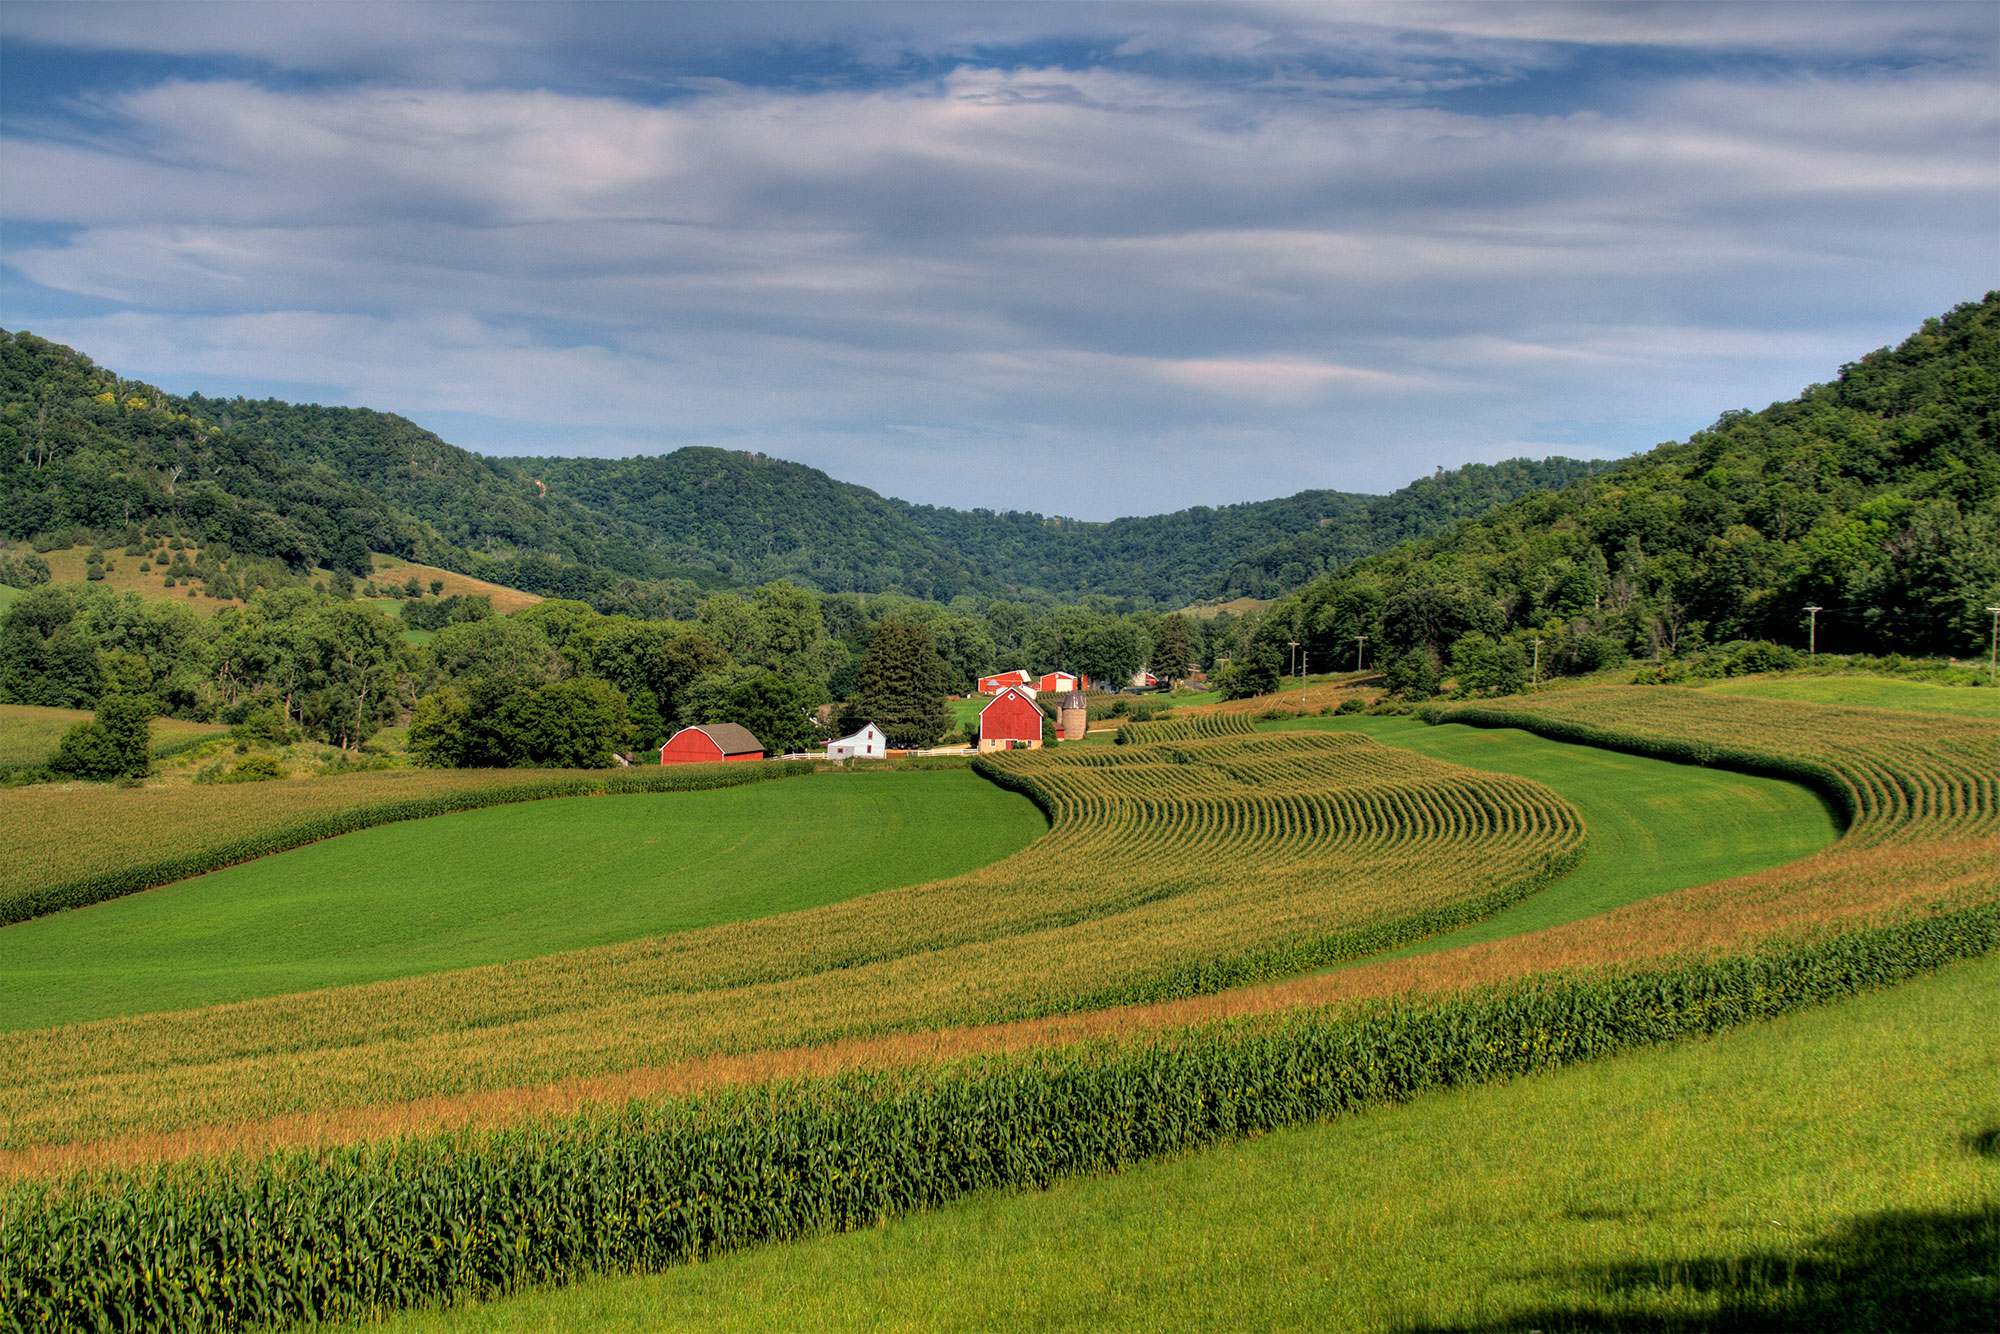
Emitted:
<point x="83" y="448"/>
<point x="1874" y="497"/>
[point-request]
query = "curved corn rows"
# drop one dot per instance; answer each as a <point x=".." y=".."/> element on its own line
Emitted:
<point x="1897" y="777"/>
<point x="1185" y="729"/>
<point x="1171" y="868"/>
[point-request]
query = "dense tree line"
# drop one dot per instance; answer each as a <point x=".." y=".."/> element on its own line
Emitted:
<point x="559" y="683"/>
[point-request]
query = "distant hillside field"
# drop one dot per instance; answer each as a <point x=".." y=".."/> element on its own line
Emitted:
<point x="29" y="732"/>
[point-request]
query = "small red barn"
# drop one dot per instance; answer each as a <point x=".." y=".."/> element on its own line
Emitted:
<point x="1012" y="718"/>
<point x="710" y="743"/>
<point x="1061" y="683"/>
<point x="993" y="685"/>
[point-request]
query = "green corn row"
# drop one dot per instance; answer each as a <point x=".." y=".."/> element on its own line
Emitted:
<point x="1185" y="729"/>
<point x="22" y="905"/>
<point x="303" y="1237"/>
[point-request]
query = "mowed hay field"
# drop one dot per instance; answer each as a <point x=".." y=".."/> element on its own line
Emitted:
<point x="29" y="732"/>
<point x="1655" y="826"/>
<point x="507" y="882"/>
<point x="1872" y="692"/>
<point x="52" y="835"/>
<point x="1169" y="869"/>
<point x="1816" y="1172"/>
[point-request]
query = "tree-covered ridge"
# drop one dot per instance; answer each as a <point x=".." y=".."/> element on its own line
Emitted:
<point x="760" y="518"/>
<point x="313" y="485"/>
<point x="1875" y="497"/>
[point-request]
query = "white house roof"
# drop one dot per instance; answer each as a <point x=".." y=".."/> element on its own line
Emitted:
<point x="862" y="735"/>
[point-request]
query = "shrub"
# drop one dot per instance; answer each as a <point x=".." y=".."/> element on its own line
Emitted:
<point x="255" y="769"/>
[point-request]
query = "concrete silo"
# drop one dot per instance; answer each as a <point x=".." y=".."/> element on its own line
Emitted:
<point x="1073" y="719"/>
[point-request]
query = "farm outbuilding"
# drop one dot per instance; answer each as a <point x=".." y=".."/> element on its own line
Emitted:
<point x="710" y="743"/>
<point x="1012" y="719"/>
<point x="1064" y="682"/>
<point x="867" y="744"/>
<point x="993" y="685"/>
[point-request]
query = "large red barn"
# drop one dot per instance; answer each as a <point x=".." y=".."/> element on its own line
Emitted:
<point x="711" y="743"/>
<point x="1012" y="718"/>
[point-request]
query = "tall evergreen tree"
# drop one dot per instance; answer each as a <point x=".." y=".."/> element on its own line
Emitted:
<point x="901" y="688"/>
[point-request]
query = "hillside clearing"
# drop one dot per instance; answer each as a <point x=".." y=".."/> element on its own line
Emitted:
<point x="1822" y="1170"/>
<point x="508" y="882"/>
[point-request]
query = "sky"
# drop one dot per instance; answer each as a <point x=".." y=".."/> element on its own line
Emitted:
<point x="1082" y="259"/>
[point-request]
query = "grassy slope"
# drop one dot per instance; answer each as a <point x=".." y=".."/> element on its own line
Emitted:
<point x="509" y="882"/>
<point x="28" y="732"/>
<point x="1654" y="826"/>
<point x="1871" y="692"/>
<point x="1819" y="1171"/>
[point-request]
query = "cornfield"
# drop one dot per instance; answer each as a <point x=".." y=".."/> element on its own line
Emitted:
<point x="1178" y="865"/>
<point x="1170" y="869"/>
<point x="315" y="1237"/>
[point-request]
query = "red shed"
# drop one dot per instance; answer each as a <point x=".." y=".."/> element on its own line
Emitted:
<point x="710" y="743"/>
<point x="1061" y="683"/>
<point x="1012" y="716"/>
<point x="993" y="685"/>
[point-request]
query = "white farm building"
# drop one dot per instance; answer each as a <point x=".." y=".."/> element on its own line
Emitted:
<point x="867" y="744"/>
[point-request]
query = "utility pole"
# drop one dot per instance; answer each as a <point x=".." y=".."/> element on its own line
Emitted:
<point x="1359" y="640"/>
<point x="1293" y="644"/>
<point x="1993" y="653"/>
<point x="1538" y="659"/>
<point x="1812" y="634"/>
<point x="1303" y="655"/>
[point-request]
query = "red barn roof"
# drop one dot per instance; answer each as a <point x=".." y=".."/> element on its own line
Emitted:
<point x="1010" y="716"/>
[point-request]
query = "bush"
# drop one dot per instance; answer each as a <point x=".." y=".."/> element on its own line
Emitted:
<point x="117" y="743"/>
<point x="1415" y="675"/>
<point x="1352" y="704"/>
<point x="255" y="769"/>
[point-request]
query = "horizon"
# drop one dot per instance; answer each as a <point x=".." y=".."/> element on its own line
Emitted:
<point x="1201" y="255"/>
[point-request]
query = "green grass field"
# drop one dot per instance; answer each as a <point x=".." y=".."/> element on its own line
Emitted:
<point x="1654" y="826"/>
<point x="1871" y="692"/>
<point x="29" y="732"/>
<point x="1832" y="1169"/>
<point x="509" y="882"/>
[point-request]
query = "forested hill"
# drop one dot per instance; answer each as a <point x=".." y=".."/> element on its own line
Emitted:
<point x="1875" y="497"/>
<point x="764" y="518"/>
<point x="312" y="485"/>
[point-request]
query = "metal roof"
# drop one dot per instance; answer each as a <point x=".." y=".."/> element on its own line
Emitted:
<point x="733" y="738"/>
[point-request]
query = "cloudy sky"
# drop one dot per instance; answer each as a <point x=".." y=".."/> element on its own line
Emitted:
<point x="1093" y="260"/>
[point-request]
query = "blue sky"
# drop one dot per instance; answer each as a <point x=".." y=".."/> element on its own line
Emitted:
<point x="1092" y="260"/>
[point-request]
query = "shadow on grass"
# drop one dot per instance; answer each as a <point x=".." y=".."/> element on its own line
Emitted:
<point x="1902" y="1270"/>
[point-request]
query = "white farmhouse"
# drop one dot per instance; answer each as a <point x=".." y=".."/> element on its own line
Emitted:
<point x="867" y="744"/>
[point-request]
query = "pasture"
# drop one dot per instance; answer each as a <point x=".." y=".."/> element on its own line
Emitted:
<point x="1655" y="826"/>
<point x="1870" y="692"/>
<point x="1829" y="1169"/>
<point x="507" y="882"/>
<point x="29" y="732"/>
